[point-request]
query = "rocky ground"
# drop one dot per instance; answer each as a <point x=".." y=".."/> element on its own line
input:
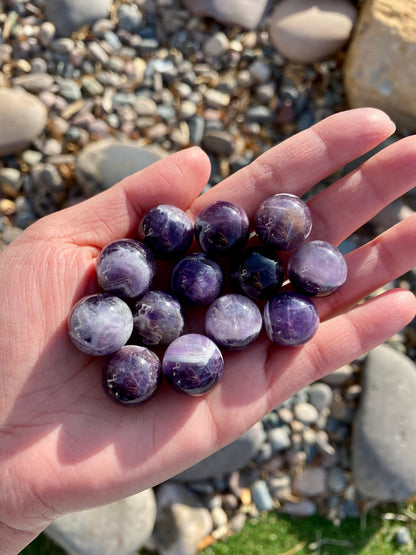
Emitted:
<point x="93" y="91"/>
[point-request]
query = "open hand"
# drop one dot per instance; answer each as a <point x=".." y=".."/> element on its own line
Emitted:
<point x="64" y="446"/>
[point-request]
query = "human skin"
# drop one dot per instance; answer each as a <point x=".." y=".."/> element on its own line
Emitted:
<point x="63" y="445"/>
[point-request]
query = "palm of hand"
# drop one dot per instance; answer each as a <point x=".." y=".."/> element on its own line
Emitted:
<point x="66" y="445"/>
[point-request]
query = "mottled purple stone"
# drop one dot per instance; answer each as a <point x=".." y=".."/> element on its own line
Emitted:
<point x="233" y="321"/>
<point x="222" y="228"/>
<point x="100" y="324"/>
<point x="125" y="268"/>
<point x="167" y="231"/>
<point x="192" y="364"/>
<point x="132" y="375"/>
<point x="317" y="268"/>
<point x="290" y="319"/>
<point x="196" y="279"/>
<point x="258" y="272"/>
<point x="283" y="221"/>
<point x="158" y="318"/>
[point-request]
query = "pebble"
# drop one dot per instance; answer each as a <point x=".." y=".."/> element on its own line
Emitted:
<point x="320" y="396"/>
<point x="10" y="182"/>
<point x="181" y="522"/>
<point x="219" y="517"/>
<point x="237" y="522"/>
<point x="104" y="163"/>
<point x="244" y="13"/>
<point x="311" y="481"/>
<point x="339" y="377"/>
<point x="308" y="32"/>
<point x="68" y="16"/>
<point x="216" y="45"/>
<point x="302" y="508"/>
<point x="279" y="438"/>
<point x="306" y="413"/>
<point x="218" y="142"/>
<point x="119" y="528"/>
<point x="402" y="536"/>
<point x="261" y="496"/>
<point x="337" y="481"/>
<point x="22" y="118"/>
<point x="34" y="82"/>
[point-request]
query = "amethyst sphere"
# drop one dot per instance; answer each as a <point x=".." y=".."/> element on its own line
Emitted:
<point x="317" y="268"/>
<point x="222" y="228"/>
<point x="283" y="221"/>
<point x="132" y="375"/>
<point x="100" y="324"/>
<point x="192" y="364"/>
<point x="125" y="268"/>
<point x="233" y="321"/>
<point x="196" y="279"/>
<point x="290" y="319"/>
<point x="167" y="231"/>
<point x="158" y="318"/>
<point x="258" y="272"/>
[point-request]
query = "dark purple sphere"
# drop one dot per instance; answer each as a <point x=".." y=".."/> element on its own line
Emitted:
<point x="258" y="273"/>
<point x="125" y="268"/>
<point x="192" y="364"/>
<point x="100" y="324"/>
<point x="132" y="375"/>
<point x="158" y="318"/>
<point x="290" y="319"/>
<point x="233" y="321"/>
<point x="222" y="228"/>
<point x="167" y="231"/>
<point x="317" y="268"/>
<point x="283" y="221"/>
<point x="196" y="279"/>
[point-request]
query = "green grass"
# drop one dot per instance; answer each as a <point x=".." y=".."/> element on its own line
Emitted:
<point x="274" y="534"/>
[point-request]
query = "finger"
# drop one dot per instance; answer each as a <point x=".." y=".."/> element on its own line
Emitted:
<point x="363" y="193"/>
<point x="382" y="260"/>
<point x="301" y="161"/>
<point x="116" y="213"/>
<point x="247" y="393"/>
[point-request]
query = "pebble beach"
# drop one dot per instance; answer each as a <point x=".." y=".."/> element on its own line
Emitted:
<point x="91" y="92"/>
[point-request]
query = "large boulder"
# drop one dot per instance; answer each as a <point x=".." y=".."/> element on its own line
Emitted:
<point x="379" y="69"/>
<point x="384" y="438"/>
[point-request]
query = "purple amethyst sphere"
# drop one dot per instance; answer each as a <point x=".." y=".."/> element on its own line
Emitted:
<point x="158" y="318"/>
<point x="125" y="268"/>
<point x="196" y="279"/>
<point x="233" y="321"/>
<point x="257" y="272"/>
<point x="222" y="228"/>
<point x="192" y="364"/>
<point x="283" y="221"/>
<point x="317" y="268"/>
<point x="290" y="319"/>
<point x="132" y="375"/>
<point x="100" y="324"/>
<point x="167" y="231"/>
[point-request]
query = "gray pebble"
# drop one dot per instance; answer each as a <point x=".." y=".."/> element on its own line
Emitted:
<point x="70" y="90"/>
<point x="216" y="45"/>
<point x="279" y="438"/>
<point x="306" y="413"/>
<point x="10" y="182"/>
<point x="10" y="233"/>
<point x="98" y="53"/>
<point x="129" y="18"/>
<point x="91" y="86"/>
<point x="402" y="536"/>
<point x="218" y="142"/>
<point x="303" y="508"/>
<point x="261" y="496"/>
<point x="320" y="396"/>
<point x="236" y="522"/>
<point x="339" y="377"/>
<point x="337" y="481"/>
<point x="311" y="481"/>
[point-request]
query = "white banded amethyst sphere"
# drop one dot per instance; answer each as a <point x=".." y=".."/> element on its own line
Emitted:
<point x="192" y="364"/>
<point x="158" y="318"/>
<point x="233" y="321"/>
<point x="125" y="268"/>
<point x="100" y="324"/>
